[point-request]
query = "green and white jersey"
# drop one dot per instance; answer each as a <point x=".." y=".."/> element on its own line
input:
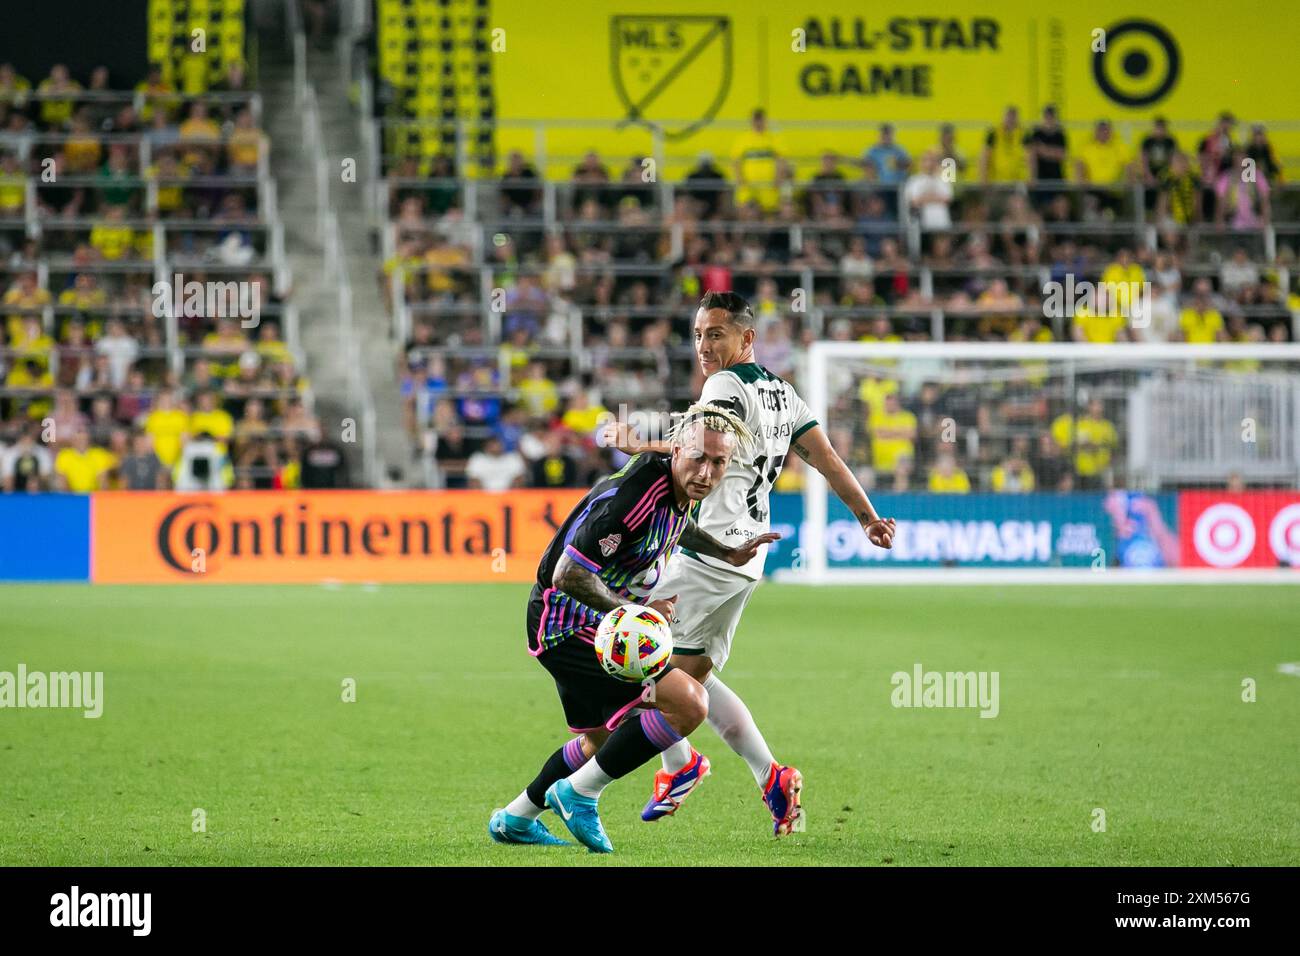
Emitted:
<point x="737" y="510"/>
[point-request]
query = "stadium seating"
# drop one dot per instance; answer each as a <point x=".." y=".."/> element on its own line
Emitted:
<point x="113" y="206"/>
<point x="527" y="304"/>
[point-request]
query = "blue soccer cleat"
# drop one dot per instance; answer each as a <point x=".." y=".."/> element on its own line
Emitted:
<point x="672" y="789"/>
<point x="579" y="815"/>
<point x="508" y="828"/>
<point x="783" y="797"/>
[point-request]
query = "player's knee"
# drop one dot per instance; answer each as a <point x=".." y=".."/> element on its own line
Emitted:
<point x="695" y="704"/>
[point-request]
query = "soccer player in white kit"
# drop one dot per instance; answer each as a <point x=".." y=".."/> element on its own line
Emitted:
<point x="710" y="595"/>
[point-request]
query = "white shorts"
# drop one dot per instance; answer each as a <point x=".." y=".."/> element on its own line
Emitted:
<point x="709" y="605"/>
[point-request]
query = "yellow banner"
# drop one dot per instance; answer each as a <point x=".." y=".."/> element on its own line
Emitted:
<point x="688" y="68"/>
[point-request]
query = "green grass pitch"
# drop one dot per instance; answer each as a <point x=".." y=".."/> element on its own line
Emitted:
<point x="228" y="699"/>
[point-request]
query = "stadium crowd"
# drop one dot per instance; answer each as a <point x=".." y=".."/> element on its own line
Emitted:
<point x="103" y="383"/>
<point x="593" y="300"/>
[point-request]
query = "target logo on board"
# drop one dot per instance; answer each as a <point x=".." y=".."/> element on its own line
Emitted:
<point x="1284" y="535"/>
<point x="1224" y="535"/>
<point x="1255" y="529"/>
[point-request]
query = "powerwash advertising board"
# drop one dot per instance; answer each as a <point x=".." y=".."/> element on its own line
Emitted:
<point x="466" y="536"/>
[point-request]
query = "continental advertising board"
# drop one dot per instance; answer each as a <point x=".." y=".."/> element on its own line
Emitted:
<point x="251" y="537"/>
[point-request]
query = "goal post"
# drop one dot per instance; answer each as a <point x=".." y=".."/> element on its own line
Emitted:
<point x="1047" y="462"/>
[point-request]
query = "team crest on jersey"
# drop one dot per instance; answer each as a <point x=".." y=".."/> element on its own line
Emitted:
<point x="609" y="544"/>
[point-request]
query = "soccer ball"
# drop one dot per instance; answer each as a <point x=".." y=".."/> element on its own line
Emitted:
<point x="633" y="642"/>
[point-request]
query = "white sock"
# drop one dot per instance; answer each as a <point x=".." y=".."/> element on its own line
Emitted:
<point x="588" y="780"/>
<point x="677" y="756"/>
<point x="731" y="720"/>
<point x="521" y="806"/>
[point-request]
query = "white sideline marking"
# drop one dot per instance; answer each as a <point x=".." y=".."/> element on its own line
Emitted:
<point x="1293" y="669"/>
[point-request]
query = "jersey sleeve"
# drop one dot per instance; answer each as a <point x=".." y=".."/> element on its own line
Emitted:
<point x="725" y="390"/>
<point x="617" y="519"/>
<point x="802" y="419"/>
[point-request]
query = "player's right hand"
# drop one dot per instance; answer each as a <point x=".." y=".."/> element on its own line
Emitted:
<point x="618" y="435"/>
<point x="665" y="606"/>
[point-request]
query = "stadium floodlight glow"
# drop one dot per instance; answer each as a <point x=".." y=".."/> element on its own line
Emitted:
<point x="1187" y="421"/>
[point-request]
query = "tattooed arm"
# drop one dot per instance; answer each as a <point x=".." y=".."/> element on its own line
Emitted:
<point x="693" y="539"/>
<point x="815" y="448"/>
<point x="585" y="586"/>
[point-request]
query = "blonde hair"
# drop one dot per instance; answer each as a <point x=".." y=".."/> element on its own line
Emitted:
<point x="714" y="418"/>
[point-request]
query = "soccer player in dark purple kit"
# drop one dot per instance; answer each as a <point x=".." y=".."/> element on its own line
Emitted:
<point x="611" y="551"/>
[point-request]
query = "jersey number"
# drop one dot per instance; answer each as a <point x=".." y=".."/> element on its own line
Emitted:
<point x="751" y="499"/>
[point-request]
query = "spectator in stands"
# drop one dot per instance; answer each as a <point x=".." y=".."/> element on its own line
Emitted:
<point x="1104" y="161"/>
<point x="13" y="187"/>
<point x="538" y="392"/>
<point x="323" y="464"/>
<point x="1260" y="150"/>
<point x="875" y="222"/>
<point x="946" y="478"/>
<point x="82" y="149"/>
<point x="589" y="178"/>
<point x="1200" y="322"/>
<point x="1101" y="322"/>
<point x="1124" y="278"/>
<point x="141" y="470"/>
<point x="111" y="237"/>
<point x="888" y="163"/>
<point x="27" y="465"/>
<point x="1003" y="157"/>
<point x="204" y="465"/>
<point x="520" y="190"/>
<point x="209" y="418"/>
<point x="827" y="193"/>
<point x="583" y="414"/>
<point x="929" y="195"/>
<point x="1237" y="273"/>
<point x="555" y="468"/>
<point x="1179" y="203"/>
<point x="755" y="155"/>
<point x="893" y="436"/>
<point x="1156" y="153"/>
<point x="1242" y="195"/>
<point x="159" y="96"/>
<point x="950" y="157"/>
<point x="1013" y="475"/>
<point x="200" y="134"/>
<point x="1046" y="148"/>
<point x="54" y="110"/>
<point x="451" y="451"/>
<point x="495" y="469"/>
<point x="81" y="467"/>
<point x="705" y="185"/>
<point x="245" y="144"/>
<point x="1092" y="437"/>
<point x="15" y="90"/>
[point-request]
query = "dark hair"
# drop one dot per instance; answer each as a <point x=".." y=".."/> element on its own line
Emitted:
<point x="737" y="308"/>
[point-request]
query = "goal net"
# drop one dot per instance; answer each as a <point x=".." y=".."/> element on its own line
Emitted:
<point x="1039" y="462"/>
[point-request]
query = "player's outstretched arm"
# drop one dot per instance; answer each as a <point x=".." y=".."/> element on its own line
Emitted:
<point x="815" y="448"/>
<point x="620" y="436"/>
<point x="693" y="539"/>
<point x="582" y="585"/>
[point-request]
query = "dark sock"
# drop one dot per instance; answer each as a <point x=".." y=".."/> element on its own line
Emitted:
<point x="634" y="743"/>
<point x="560" y="764"/>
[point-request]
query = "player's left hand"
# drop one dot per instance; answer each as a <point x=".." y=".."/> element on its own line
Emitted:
<point x="881" y="532"/>
<point x="739" y="557"/>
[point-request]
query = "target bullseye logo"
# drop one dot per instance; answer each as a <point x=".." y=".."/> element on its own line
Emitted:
<point x="1224" y="535"/>
<point x="1140" y="64"/>
<point x="1284" y="535"/>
